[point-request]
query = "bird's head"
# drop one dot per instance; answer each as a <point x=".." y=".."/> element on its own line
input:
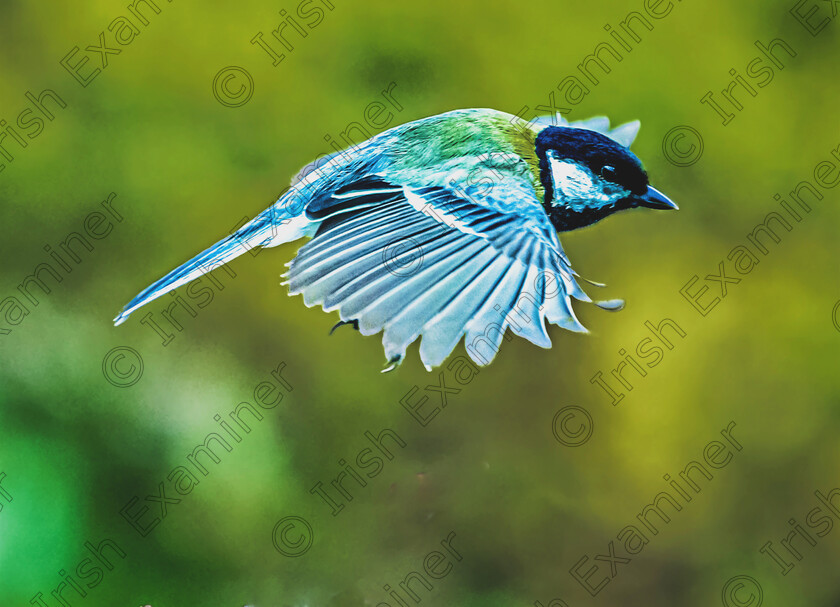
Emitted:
<point x="587" y="176"/>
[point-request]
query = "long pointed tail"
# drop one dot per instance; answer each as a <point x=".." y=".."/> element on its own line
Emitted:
<point x="262" y="231"/>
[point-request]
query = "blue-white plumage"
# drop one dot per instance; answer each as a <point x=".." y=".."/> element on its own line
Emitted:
<point x="491" y="259"/>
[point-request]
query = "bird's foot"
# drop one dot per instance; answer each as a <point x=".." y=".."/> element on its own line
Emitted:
<point x="355" y="324"/>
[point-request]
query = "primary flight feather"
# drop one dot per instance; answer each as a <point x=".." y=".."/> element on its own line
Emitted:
<point x="445" y="228"/>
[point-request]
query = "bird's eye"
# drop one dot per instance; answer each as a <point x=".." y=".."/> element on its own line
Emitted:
<point x="608" y="172"/>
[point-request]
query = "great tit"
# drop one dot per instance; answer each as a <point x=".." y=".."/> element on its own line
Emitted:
<point x="444" y="228"/>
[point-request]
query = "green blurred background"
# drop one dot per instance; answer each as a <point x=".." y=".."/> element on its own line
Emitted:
<point x="75" y="449"/>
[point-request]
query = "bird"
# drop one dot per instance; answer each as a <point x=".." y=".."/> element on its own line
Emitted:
<point x="445" y="228"/>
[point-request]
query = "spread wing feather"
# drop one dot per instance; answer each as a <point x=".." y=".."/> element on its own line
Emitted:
<point x="430" y="264"/>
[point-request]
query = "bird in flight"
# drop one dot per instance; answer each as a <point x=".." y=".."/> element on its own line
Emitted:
<point x="445" y="228"/>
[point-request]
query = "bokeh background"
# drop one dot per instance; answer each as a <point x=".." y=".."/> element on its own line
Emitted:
<point x="75" y="448"/>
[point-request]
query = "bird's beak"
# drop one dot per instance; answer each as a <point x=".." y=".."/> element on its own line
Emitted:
<point x="654" y="199"/>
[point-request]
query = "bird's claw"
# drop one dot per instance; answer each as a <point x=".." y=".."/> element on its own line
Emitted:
<point x="355" y="324"/>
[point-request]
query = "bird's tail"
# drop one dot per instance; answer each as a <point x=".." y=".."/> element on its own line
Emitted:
<point x="265" y="230"/>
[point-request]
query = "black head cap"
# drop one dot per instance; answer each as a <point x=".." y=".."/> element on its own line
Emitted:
<point x="594" y="150"/>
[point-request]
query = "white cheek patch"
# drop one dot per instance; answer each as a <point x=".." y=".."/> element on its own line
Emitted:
<point x="576" y="187"/>
<point x="571" y="180"/>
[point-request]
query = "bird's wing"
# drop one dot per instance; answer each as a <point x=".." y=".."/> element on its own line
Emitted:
<point x="440" y="263"/>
